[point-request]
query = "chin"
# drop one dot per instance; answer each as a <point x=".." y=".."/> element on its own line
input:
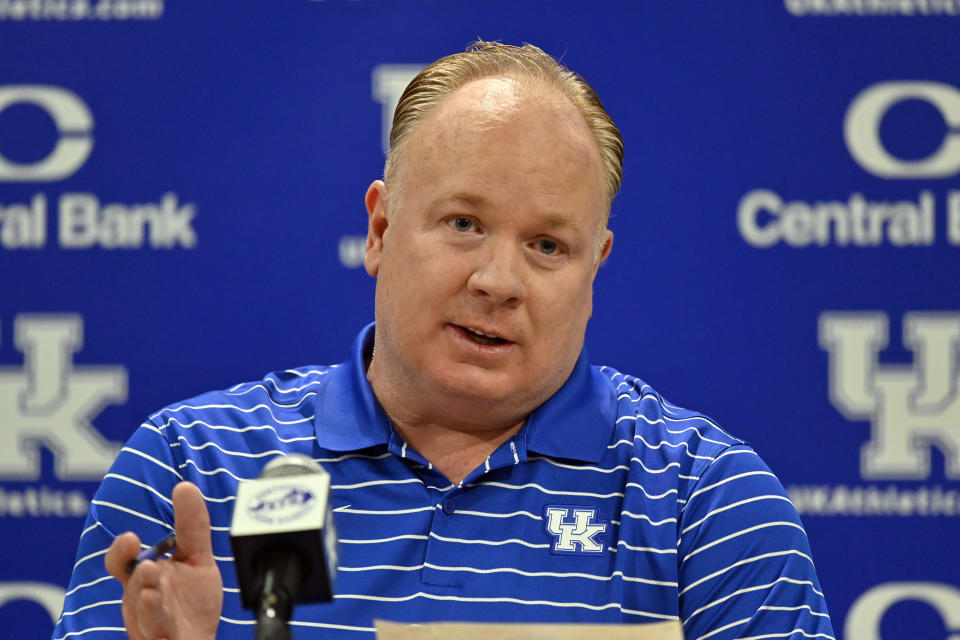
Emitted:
<point x="467" y="383"/>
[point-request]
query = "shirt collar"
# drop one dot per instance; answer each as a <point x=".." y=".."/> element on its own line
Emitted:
<point x="575" y="422"/>
<point x="348" y="416"/>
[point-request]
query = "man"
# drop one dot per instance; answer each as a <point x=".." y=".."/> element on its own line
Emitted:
<point x="481" y="469"/>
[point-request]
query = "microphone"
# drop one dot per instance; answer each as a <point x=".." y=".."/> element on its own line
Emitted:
<point x="284" y="541"/>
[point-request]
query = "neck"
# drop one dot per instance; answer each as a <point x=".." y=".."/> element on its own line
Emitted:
<point x="453" y="442"/>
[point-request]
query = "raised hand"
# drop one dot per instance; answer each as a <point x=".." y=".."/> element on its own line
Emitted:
<point x="176" y="599"/>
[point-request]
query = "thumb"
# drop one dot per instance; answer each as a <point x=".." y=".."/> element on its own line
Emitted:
<point x="192" y="524"/>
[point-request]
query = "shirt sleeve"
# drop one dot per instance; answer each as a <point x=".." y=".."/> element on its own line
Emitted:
<point x="134" y="496"/>
<point x="746" y="570"/>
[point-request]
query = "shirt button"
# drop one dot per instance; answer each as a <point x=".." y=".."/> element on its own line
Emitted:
<point x="449" y="506"/>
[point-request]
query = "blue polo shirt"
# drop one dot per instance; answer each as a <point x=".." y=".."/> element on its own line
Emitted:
<point x="609" y="505"/>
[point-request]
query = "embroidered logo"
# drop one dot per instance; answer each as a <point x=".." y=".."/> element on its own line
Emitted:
<point x="579" y="534"/>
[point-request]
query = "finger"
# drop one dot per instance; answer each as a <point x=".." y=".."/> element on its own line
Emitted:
<point x="152" y="619"/>
<point x="131" y="604"/>
<point x="124" y="548"/>
<point x="130" y="621"/>
<point x="192" y="522"/>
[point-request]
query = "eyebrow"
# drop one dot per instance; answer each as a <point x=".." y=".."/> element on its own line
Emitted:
<point x="471" y="199"/>
<point x="558" y="220"/>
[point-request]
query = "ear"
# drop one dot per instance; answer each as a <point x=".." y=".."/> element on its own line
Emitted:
<point x="607" y="248"/>
<point x="376" y="201"/>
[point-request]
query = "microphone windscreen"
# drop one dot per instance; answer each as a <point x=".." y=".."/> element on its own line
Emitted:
<point x="294" y="464"/>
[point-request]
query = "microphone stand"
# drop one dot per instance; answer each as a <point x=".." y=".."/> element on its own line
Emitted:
<point x="282" y="577"/>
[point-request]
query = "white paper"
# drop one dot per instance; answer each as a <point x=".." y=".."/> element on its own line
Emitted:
<point x="483" y="631"/>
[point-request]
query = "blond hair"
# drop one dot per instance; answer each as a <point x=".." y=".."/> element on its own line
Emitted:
<point x="491" y="59"/>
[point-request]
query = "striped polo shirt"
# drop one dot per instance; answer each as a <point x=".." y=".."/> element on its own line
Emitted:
<point x="609" y="505"/>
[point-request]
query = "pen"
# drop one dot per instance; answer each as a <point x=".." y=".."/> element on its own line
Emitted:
<point x="153" y="553"/>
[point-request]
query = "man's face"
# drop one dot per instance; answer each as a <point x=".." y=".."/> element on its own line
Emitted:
<point x="485" y="265"/>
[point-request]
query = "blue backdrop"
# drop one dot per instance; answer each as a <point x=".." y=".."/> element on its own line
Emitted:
<point x="791" y="192"/>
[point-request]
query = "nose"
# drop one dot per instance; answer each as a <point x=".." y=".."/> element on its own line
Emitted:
<point x="498" y="275"/>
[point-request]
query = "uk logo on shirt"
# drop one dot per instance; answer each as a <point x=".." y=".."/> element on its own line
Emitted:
<point x="576" y="533"/>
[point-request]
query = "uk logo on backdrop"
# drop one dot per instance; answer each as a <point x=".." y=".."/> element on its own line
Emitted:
<point x="911" y="409"/>
<point x="51" y="403"/>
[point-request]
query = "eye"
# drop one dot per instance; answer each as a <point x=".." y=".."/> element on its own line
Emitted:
<point x="462" y="224"/>
<point x="547" y="247"/>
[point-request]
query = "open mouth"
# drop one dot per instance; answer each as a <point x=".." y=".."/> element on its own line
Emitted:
<point x="480" y="337"/>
